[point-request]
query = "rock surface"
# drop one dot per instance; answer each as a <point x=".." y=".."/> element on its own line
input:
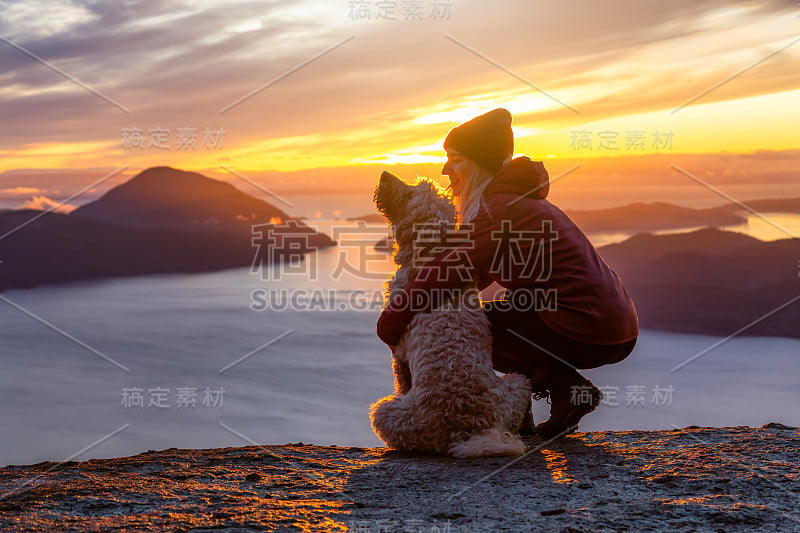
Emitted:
<point x="690" y="479"/>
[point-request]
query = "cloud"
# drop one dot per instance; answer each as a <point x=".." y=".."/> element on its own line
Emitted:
<point x="20" y="190"/>
<point x="42" y="18"/>
<point x="61" y="182"/>
<point x="176" y="64"/>
<point x="42" y="203"/>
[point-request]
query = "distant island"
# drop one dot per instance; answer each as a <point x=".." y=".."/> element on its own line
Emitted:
<point x="711" y="281"/>
<point x="656" y="216"/>
<point x="162" y="220"/>
<point x="708" y="281"/>
<point x="165" y="197"/>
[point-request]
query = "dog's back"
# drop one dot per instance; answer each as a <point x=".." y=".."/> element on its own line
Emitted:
<point x="449" y="355"/>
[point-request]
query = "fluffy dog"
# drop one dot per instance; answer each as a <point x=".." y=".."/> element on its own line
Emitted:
<point x="447" y="399"/>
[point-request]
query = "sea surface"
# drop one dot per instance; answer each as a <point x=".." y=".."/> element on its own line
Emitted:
<point x="289" y="353"/>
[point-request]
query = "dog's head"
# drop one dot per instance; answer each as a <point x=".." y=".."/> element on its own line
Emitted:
<point x="405" y="205"/>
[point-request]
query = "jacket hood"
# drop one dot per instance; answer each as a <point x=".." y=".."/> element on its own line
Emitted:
<point x="521" y="176"/>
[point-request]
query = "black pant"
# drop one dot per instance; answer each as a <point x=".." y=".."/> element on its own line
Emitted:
<point x="522" y="342"/>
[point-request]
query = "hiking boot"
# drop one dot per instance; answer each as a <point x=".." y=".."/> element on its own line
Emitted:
<point x="528" y="426"/>
<point x="569" y="402"/>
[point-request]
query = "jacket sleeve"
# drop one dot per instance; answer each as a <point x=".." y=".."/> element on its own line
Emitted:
<point x="394" y="319"/>
<point x="458" y="263"/>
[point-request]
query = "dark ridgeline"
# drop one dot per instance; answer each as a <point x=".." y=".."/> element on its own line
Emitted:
<point x="711" y="281"/>
<point x="165" y="220"/>
<point x="161" y="221"/>
<point x="655" y="216"/>
<point x="169" y="198"/>
<point x="707" y="281"/>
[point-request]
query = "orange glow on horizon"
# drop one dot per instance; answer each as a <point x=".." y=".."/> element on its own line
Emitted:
<point x="766" y="122"/>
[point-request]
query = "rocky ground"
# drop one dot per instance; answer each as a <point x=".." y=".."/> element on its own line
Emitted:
<point x="690" y="479"/>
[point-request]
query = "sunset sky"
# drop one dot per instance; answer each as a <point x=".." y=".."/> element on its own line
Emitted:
<point x="314" y="97"/>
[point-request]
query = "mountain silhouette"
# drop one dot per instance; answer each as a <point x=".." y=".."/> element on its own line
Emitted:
<point x="641" y="216"/>
<point x="711" y="281"/>
<point x="768" y="205"/>
<point x="637" y="216"/>
<point x="645" y="247"/>
<point x="161" y="221"/>
<point x="172" y="198"/>
<point x="653" y="216"/>
<point x="708" y="281"/>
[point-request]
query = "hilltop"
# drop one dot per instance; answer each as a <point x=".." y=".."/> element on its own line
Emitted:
<point x="656" y="216"/>
<point x="736" y="479"/>
<point x="162" y="220"/>
<point x="711" y="282"/>
<point x="170" y="198"/>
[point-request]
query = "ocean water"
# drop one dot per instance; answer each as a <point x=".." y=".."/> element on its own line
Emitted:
<point x="285" y="354"/>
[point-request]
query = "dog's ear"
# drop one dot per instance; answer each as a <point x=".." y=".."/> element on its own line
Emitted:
<point x="390" y="180"/>
<point x="390" y="195"/>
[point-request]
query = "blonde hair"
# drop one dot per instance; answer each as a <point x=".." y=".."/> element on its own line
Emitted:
<point x="469" y="202"/>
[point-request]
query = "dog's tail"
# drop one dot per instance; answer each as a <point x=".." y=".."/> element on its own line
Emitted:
<point x="491" y="442"/>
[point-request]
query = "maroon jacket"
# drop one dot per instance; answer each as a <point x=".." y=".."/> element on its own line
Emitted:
<point x="544" y="252"/>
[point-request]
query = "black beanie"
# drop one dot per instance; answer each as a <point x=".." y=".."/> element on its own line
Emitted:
<point x="486" y="139"/>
